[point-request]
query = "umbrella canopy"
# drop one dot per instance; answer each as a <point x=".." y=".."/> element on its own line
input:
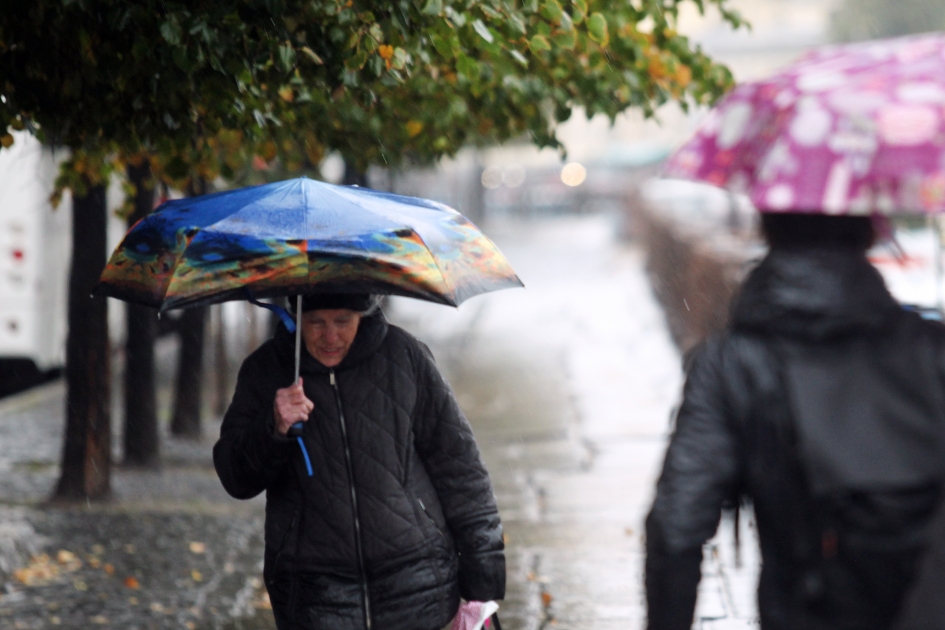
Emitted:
<point x="302" y="236"/>
<point x="848" y="129"/>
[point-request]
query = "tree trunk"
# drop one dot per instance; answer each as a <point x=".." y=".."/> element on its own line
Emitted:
<point x="141" y="436"/>
<point x="354" y="177"/>
<point x="221" y="365"/>
<point x="187" y="404"/>
<point x="189" y="392"/>
<point x="86" y="453"/>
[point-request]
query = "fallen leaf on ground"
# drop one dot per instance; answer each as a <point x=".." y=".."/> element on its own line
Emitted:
<point x="198" y="547"/>
<point x="132" y="582"/>
<point x="40" y="570"/>
<point x="109" y="569"/>
<point x="68" y="559"/>
<point x="546" y="599"/>
<point x="196" y="575"/>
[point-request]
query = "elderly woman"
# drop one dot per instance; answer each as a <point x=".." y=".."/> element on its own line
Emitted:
<point x="388" y="517"/>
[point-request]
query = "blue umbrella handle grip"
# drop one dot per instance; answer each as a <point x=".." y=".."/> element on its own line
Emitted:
<point x="295" y="431"/>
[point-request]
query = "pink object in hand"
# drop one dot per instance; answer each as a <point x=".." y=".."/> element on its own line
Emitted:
<point x="474" y="615"/>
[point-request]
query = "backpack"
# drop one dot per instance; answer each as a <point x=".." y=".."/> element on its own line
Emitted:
<point x="857" y="552"/>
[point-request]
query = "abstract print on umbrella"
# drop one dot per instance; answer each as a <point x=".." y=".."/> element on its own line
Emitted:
<point x="303" y="236"/>
<point x="848" y="129"/>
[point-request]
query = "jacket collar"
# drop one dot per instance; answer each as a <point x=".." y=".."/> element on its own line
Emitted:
<point x="814" y="293"/>
<point x="371" y="333"/>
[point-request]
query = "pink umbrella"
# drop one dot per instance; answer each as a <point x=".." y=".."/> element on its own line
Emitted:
<point x="848" y="129"/>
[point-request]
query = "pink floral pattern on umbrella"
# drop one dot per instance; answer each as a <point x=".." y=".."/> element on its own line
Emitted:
<point x="848" y="129"/>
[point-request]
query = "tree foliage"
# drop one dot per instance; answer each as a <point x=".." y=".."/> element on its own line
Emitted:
<point x="202" y="86"/>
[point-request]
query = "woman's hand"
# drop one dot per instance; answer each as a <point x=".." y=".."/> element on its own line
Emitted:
<point x="291" y="406"/>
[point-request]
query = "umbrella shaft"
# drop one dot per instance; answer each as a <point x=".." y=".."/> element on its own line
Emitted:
<point x="298" y="335"/>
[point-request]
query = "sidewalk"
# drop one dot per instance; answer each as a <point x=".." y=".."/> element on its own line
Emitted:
<point x="170" y="550"/>
<point x="570" y="385"/>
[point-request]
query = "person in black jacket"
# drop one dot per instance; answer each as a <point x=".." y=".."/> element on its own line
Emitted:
<point x="388" y="517"/>
<point x="824" y="405"/>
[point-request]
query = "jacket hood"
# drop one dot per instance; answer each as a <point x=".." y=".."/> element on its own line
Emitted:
<point x="371" y="333"/>
<point x="814" y="293"/>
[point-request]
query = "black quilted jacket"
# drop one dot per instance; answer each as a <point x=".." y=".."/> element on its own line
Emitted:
<point x="824" y="405"/>
<point x="397" y="519"/>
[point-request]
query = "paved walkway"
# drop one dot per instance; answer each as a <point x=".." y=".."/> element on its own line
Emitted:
<point x="570" y="386"/>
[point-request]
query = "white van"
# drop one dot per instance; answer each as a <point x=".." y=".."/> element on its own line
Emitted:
<point x="35" y="249"/>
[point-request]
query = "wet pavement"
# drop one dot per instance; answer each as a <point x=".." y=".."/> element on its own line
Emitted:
<point x="569" y="385"/>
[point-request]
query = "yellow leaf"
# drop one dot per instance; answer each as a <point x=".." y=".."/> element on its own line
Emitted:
<point x="385" y="51"/>
<point x="414" y="127"/>
<point x="196" y="575"/>
<point x="287" y="94"/>
<point x="6" y="141"/>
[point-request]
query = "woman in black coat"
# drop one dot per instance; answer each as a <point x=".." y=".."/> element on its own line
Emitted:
<point x="824" y="405"/>
<point x="388" y="517"/>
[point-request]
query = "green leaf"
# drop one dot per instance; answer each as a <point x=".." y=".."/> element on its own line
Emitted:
<point x="443" y="47"/>
<point x="551" y="11"/>
<point x="567" y="24"/>
<point x="565" y="40"/>
<point x="519" y="57"/>
<point x="597" y="28"/>
<point x="468" y="67"/>
<point x="518" y="23"/>
<point x="538" y="43"/>
<point x="357" y="61"/>
<point x="287" y="56"/>
<point x="459" y="18"/>
<point x="490" y="12"/>
<point x="377" y="33"/>
<point x="400" y="58"/>
<point x="433" y="7"/>
<point x="580" y="7"/>
<point x="483" y="30"/>
<point x="170" y="31"/>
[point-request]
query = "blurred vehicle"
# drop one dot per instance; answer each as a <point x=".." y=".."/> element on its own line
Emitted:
<point x="34" y="265"/>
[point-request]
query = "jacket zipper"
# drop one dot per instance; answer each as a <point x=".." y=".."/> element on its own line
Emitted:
<point x="365" y="596"/>
<point x="430" y="516"/>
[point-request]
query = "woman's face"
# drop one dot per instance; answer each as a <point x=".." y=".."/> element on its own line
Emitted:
<point x="329" y="333"/>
